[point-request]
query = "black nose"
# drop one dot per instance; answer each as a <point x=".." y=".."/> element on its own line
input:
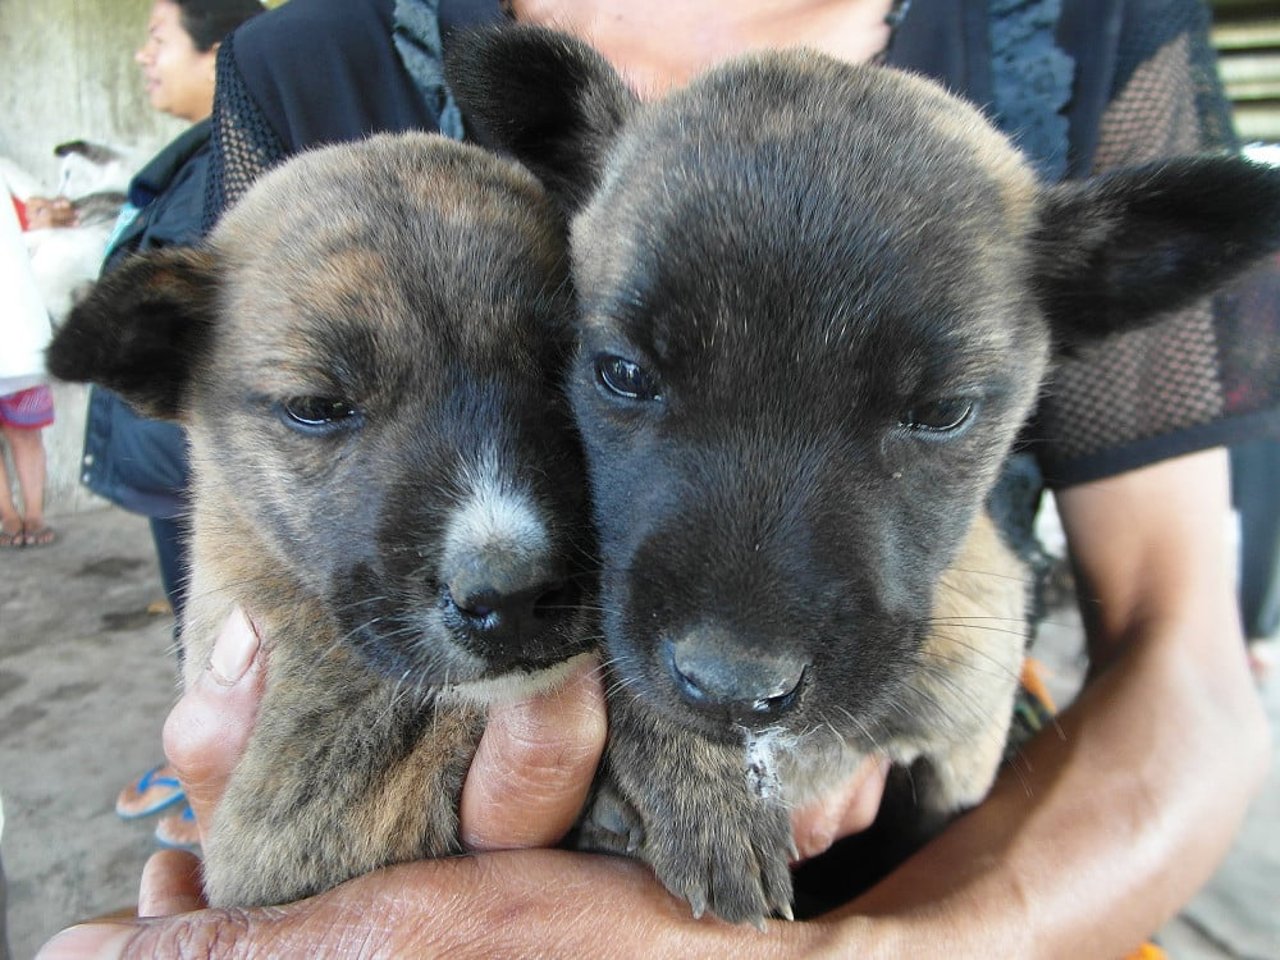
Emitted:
<point x="751" y="686"/>
<point x="509" y="610"/>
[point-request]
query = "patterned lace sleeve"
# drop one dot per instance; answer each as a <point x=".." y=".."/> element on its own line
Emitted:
<point x="243" y="144"/>
<point x="1204" y="377"/>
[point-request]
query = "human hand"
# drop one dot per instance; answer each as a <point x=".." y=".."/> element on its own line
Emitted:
<point x="849" y="809"/>
<point x="47" y="212"/>
<point x="526" y="786"/>
<point x="530" y="776"/>
<point x="511" y="903"/>
<point x="527" y="783"/>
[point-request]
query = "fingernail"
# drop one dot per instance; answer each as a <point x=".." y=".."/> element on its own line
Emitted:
<point x="91" y="941"/>
<point x="234" y="650"/>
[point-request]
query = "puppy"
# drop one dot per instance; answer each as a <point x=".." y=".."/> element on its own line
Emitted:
<point x="817" y="301"/>
<point x="366" y="355"/>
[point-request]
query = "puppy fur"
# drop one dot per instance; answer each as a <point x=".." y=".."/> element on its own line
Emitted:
<point x="366" y="356"/>
<point x="817" y="302"/>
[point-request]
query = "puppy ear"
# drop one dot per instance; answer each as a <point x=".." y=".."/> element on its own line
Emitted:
<point x="1117" y="251"/>
<point x="142" y="329"/>
<point x="547" y="99"/>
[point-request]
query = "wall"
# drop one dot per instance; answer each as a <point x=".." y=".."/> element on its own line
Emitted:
<point x="67" y="72"/>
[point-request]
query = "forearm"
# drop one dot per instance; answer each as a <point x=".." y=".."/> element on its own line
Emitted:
<point x="1107" y="825"/>
<point x="1101" y="833"/>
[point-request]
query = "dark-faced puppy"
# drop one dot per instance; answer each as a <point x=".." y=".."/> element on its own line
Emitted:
<point x="817" y="304"/>
<point x="367" y="356"/>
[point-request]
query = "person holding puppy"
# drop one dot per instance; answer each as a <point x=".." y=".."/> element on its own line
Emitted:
<point x="1128" y="789"/>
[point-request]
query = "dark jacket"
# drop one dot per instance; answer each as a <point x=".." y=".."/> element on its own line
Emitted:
<point x="134" y="462"/>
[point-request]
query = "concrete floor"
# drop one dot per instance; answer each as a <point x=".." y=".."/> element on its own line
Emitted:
<point x="86" y="680"/>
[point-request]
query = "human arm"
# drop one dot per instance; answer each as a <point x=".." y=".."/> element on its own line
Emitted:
<point x="1112" y="821"/>
<point x="1082" y="850"/>
<point x="1109" y="823"/>
<point x="518" y="903"/>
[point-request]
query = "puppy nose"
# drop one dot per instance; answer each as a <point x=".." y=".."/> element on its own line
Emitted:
<point x="752" y="686"/>
<point x="504" y="603"/>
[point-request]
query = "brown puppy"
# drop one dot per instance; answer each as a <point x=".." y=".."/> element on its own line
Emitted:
<point x="817" y="303"/>
<point x="366" y="357"/>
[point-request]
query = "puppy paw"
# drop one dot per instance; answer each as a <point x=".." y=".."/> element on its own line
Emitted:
<point x="698" y="812"/>
<point x="734" y="864"/>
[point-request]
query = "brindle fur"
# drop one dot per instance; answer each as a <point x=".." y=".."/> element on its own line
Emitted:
<point x="802" y="257"/>
<point x="423" y="282"/>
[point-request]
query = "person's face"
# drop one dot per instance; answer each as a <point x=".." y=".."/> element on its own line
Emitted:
<point x="177" y="76"/>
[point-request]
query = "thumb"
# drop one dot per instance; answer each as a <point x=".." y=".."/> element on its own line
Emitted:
<point x="170" y="884"/>
<point x="208" y="729"/>
<point x="535" y="765"/>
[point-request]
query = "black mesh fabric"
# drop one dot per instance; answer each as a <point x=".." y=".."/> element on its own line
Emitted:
<point x="244" y="145"/>
<point x="305" y="74"/>
<point x="1208" y="375"/>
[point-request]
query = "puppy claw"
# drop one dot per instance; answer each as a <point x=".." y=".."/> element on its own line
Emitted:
<point x="699" y="906"/>
<point x="775" y="878"/>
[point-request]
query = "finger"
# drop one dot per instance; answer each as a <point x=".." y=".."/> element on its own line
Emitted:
<point x="535" y="765"/>
<point x="208" y="729"/>
<point x="524" y="903"/>
<point x="849" y="809"/>
<point x="170" y="884"/>
<point x="412" y="910"/>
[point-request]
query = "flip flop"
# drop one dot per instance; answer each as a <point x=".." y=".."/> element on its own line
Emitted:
<point x="41" y="536"/>
<point x="178" y="831"/>
<point x="12" y="539"/>
<point x="156" y="790"/>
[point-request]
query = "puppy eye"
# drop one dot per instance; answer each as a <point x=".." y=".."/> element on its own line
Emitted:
<point x="318" y="414"/>
<point x="939" y="416"/>
<point x="626" y="378"/>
